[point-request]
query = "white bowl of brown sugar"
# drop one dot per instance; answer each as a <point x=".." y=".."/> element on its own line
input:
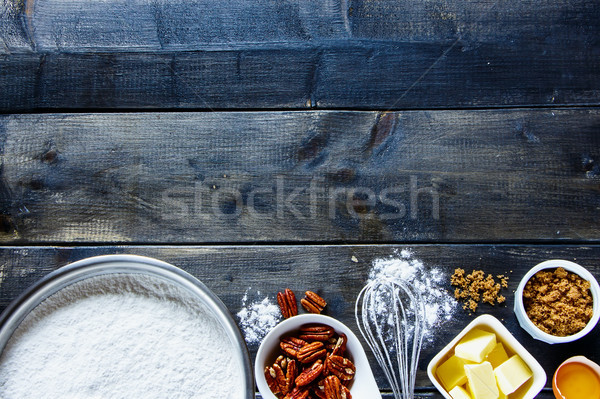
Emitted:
<point x="558" y="301"/>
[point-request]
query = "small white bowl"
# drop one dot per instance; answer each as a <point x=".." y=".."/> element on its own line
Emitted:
<point x="363" y="386"/>
<point x="489" y="323"/>
<point x="528" y="325"/>
<point x="582" y="360"/>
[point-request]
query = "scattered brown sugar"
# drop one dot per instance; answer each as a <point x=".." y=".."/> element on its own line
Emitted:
<point x="558" y="302"/>
<point x="477" y="287"/>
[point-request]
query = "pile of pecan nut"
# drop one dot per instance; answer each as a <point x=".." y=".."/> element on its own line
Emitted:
<point x="313" y="363"/>
<point x="312" y="302"/>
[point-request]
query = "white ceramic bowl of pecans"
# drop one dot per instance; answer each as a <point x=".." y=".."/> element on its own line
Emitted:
<point x="362" y="384"/>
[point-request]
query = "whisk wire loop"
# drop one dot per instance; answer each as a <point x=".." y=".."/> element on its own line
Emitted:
<point x="390" y="315"/>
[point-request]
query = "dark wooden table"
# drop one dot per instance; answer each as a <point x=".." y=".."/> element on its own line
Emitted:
<point x="273" y="144"/>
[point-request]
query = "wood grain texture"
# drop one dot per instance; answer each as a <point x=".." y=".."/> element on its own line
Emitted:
<point x="301" y="176"/>
<point x="312" y="54"/>
<point x="167" y="180"/>
<point x="336" y="272"/>
<point x="63" y="25"/>
<point x="357" y="76"/>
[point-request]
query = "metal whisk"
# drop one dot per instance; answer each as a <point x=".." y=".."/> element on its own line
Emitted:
<point x="391" y="316"/>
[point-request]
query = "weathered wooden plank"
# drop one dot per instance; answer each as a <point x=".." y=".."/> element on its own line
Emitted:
<point x="479" y="21"/>
<point x="13" y="32"/>
<point x="337" y="272"/>
<point x="63" y="25"/>
<point x="369" y="75"/>
<point x="458" y="74"/>
<point x="264" y="54"/>
<point x="301" y="176"/>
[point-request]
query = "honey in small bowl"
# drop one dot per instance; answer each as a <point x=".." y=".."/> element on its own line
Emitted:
<point x="577" y="378"/>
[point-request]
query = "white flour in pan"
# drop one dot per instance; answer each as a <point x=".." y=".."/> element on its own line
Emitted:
<point x="120" y="336"/>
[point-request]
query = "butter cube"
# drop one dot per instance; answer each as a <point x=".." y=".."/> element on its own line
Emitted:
<point x="511" y="374"/>
<point x="470" y="392"/>
<point x="482" y="383"/>
<point x="497" y="356"/>
<point x="475" y="345"/>
<point x="459" y="392"/>
<point x="452" y="373"/>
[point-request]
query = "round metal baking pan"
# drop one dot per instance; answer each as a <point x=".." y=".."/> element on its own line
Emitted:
<point x="16" y="312"/>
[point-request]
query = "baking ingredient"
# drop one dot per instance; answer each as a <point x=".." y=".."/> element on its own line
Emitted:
<point x="257" y="317"/>
<point x="558" y="302"/>
<point x="440" y="306"/>
<point x="120" y="336"/>
<point x="312" y="360"/>
<point x="511" y="374"/>
<point x="578" y="381"/>
<point x="507" y="373"/>
<point x="313" y="303"/>
<point x="287" y="303"/>
<point x="451" y="373"/>
<point x="476" y="287"/>
<point x="482" y="383"/>
<point x="497" y="356"/>
<point x="475" y="345"/>
<point x="459" y="393"/>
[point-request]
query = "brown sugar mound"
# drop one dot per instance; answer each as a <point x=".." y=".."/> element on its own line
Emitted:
<point x="477" y="287"/>
<point x="558" y="302"/>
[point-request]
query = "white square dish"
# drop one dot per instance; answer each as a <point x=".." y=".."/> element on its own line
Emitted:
<point x="489" y="323"/>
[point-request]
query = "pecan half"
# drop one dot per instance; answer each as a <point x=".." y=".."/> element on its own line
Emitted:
<point x="291" y="374"/>
<point x="282" y="381"/>
<point x="287" y="303"/>
<point x="310" y="374"/>
<point x="281" y="361"/>
<point x="276" y="379"/>
<point x="312" y="302"/>
<point x="319" y="390"/>
<point x="291" y="345"/>
<point x="332" y="387"/>
<point x="271" y="378"/>
<point x="341" y="367"/>
<point x="311" y="352"/>
<point x="340" y="346"/>
<point x="298" y="393"/>
<point x="316" y="332"/>
<point x="346" y="393"/>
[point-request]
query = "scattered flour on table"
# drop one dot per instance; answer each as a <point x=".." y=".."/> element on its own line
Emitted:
<point x="440" y="305"/>
<point x="257" y="317"/>
<point x="120" y="336"/>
